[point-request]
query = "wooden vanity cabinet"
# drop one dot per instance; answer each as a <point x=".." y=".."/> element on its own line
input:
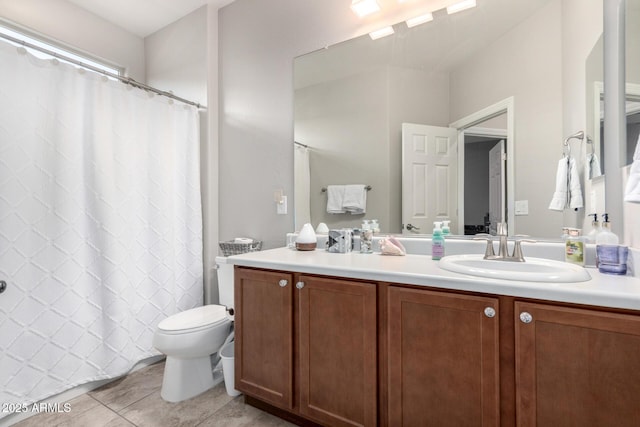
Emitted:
<point x="323" y="329"/>
<point x="443" y="359"/>
<point x="342" y="352"/>
<point x="263" y="335"/>
<point x="576" y="367"/>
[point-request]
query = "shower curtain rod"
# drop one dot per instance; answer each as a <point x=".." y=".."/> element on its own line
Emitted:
<point x="126" y="80"/>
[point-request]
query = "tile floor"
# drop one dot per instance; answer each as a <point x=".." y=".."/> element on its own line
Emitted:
<point x="134" y="400"/>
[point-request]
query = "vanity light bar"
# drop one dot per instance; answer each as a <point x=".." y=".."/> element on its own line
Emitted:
<point x="463" y="5"/>
<point x="382" y="32"/>
<point x="364" y="7"/>
<point x="419" y="20"/>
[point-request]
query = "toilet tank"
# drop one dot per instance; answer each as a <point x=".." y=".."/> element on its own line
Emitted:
<point x="225" y="281"/>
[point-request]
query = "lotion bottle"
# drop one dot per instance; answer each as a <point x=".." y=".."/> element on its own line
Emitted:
<point x="606" y="240"/>
<point x="437" y="242"/>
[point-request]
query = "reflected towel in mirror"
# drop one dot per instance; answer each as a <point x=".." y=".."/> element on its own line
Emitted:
<point x="632" y="190"/>
<point x="355" y="199"/>
<point x="568" y="193"/>
<point x="335" y="198"/>
<point x="592" y="166"/>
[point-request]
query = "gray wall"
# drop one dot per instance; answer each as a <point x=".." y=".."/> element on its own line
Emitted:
<point x="84" y="31"/>
<point x="258" y="41"/>
<point x="532" y="74"/>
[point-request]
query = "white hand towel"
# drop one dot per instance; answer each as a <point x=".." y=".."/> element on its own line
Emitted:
<point x="575" y="189"/>
<point x="632" y="190"/>
<point x="592" y="169"/>
<point x="355" y="199"/>
<point x="335" y="199"/>
<point x="560" y="196"/>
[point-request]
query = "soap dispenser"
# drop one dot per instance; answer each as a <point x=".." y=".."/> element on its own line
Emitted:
<point x="606" y="242"/>
<point x="437" y="242"/>
<point x="595" y="229"/>
<point x="606" y="236"/>
<point x="445" y="228"/>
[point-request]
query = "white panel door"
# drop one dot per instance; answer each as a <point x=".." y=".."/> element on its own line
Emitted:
<point x="429" y="177"/>
<point x="497" y="190"/>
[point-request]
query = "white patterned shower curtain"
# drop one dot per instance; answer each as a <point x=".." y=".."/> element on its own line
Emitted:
<point x="302" y="190"/>
<point x="100" y="224"/>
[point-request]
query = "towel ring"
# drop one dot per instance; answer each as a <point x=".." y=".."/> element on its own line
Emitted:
<point x="578" y="135"/>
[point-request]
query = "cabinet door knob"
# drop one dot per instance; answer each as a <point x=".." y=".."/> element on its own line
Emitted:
<point x="283" y="283"/>
<point x="490" y="312"/>
<point x="526" y="317"/>
<point x="300" y="285"/>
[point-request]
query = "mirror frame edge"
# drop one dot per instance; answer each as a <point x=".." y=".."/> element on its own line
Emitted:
<point x="615" y="129"/>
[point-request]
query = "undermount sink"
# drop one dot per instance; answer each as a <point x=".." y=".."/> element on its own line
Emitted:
<point x="532" y="270"/>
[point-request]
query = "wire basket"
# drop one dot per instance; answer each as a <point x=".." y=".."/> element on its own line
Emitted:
<point x="232" y="248"/>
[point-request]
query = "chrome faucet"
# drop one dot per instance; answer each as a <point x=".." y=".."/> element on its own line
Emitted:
<point x="503" y="249"/>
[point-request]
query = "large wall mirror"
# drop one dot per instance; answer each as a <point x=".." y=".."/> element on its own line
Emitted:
<point x="632" y="73"/>
<point x="502" y="57"/>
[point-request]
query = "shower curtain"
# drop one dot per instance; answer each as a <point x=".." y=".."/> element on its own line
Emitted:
<point x="100" y="224"/>
<point x="302" y="190"/>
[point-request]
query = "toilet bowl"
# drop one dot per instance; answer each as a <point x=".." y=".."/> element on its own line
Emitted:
<point x="190" y="337"/>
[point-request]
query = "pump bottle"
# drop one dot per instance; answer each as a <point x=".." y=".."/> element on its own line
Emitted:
<point x="437" y="242"/>
<point x="595" y="229"/>
<point x="445" y="228"/>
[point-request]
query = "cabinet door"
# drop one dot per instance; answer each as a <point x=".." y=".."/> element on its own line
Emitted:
<point x="576" y="367"/>
<point x="337" y="351"/>
<point x="443" y="359"/>
<point x="264" y="335"/>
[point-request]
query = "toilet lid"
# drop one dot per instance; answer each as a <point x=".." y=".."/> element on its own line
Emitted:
<point x="194" y="318"/>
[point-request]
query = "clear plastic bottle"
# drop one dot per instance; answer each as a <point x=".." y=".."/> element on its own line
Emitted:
<point x="366" y="238"/>
<point x="595" y="229"/>
<point x="606" y="244"/>
<point x="437" y="242"/>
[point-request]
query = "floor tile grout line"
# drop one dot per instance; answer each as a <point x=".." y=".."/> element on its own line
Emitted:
<point x="215" y="413"/>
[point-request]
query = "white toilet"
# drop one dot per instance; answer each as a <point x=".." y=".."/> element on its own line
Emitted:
<point x="189" y="338"/>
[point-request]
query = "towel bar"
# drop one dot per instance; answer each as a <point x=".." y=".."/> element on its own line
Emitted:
<point x="368" y="188"/>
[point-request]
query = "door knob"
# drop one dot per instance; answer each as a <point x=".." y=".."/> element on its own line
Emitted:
<point x="490" y="312"/>
<point x="411" y="227"/>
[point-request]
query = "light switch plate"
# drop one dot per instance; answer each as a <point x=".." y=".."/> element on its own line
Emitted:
<point x="281" y="208"/>
<point x="522" y="207"/>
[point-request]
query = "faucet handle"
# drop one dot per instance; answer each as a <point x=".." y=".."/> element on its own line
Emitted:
<point x="488" y="252"/>
<point x="517" y="248"/>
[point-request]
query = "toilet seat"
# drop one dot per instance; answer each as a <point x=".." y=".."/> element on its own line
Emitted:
<point x="194" y="319"/>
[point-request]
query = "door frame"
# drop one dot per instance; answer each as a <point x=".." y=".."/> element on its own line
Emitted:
<point x="506" y="106"/>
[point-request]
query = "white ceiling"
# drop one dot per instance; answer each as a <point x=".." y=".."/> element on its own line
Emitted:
<point x="144" y="17"/>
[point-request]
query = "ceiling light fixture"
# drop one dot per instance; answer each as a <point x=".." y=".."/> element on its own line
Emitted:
<point x="419" y="20"/>
<point x="382" y="32"/>
<point x="364" y="7"/>
<point x="463" y="5"/>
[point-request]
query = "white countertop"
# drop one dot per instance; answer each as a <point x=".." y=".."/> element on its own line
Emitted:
<point x="602" y="290"/>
